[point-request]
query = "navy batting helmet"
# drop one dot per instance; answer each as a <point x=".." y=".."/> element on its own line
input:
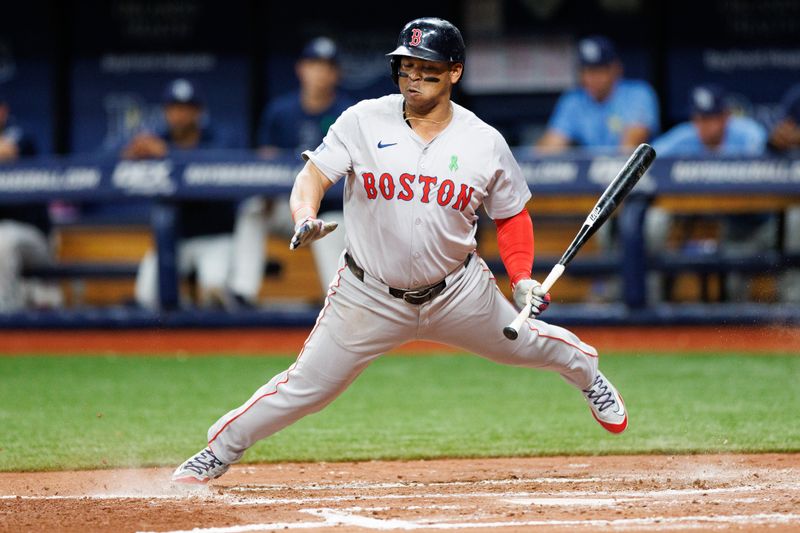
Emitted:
<point x="428" y="38"/>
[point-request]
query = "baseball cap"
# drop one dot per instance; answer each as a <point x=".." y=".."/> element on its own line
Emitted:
<point x="596" y="51"/>
<point x="182" y="91"/>
<point x="321" y="48"/>
<point x="708" y="100"/>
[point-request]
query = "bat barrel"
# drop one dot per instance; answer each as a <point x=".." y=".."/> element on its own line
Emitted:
<point x="637" y="164"/>
<point x="628" y="176"/>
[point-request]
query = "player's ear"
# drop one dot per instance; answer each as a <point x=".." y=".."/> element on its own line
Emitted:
<point x="456" y="70"/>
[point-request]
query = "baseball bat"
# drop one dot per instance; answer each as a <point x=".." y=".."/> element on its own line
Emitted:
<point x="617" y="190"/>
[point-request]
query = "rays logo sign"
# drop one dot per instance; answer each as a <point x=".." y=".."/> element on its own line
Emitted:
<point x="147" y="178"/>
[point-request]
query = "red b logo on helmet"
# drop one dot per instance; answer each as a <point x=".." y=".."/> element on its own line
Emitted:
<point x="416" y="37"/>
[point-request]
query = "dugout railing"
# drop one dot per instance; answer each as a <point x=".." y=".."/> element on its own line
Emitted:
<point x="580" y="176"/>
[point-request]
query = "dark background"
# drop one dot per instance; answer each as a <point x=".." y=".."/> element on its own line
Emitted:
<point x="81" y="75"/>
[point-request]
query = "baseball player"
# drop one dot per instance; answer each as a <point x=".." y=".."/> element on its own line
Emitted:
<point x="417" y="168"/>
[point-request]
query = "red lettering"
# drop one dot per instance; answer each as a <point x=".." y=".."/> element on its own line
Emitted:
<point x="446" y="192"/>
<point x="405" y="181"/>
<point x="387" y="185"/>
<point x="416" y="37"/>
<point x="464" y="197"/>
<point x="369" y="185"/>
<point x="426" y="189"/>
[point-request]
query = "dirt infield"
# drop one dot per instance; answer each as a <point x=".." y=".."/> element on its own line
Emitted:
<point x="641" y="493"/>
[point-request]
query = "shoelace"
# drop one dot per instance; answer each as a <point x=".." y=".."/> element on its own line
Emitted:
<point x="600" y="395"/>
<point x="199" y="466"/>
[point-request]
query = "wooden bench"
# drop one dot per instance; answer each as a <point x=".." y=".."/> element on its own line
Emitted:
<point x="97" y="265"/>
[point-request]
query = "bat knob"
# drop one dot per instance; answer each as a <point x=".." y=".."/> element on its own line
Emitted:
<point x="510" y="333"/>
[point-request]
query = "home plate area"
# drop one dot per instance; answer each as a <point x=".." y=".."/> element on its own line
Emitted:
<point x="624" y="493"/>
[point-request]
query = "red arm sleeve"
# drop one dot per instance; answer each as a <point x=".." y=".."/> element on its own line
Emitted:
<point x="515" y="241"/>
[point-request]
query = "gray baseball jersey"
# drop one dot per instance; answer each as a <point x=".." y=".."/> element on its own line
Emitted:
<point x="411" y="207"/>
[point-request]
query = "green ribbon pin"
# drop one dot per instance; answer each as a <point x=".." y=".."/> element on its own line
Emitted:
<point x="453" y="163"/>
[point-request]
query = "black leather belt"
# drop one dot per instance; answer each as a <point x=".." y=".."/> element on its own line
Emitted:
<point x="415" y="296"/>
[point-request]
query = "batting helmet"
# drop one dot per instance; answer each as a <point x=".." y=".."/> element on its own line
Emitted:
<point x="428" y="38"/>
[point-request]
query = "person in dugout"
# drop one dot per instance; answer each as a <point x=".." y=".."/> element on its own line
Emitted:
<point x="714" y="129"/>
<point x="24" y="230"/>
<point x="219" y="240"/>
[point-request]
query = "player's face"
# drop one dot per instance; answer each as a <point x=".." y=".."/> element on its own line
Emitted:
<point x="317" y="74"/>
<point x="710" y="128"/>
<point x="182" y="117"/>
<point x="426" y="83"/>
<point x="598" y="81"/>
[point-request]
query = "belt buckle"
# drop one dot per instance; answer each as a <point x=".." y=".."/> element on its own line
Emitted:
<point x="418" y="297"/>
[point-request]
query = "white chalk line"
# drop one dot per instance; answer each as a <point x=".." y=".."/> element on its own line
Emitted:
<point x="335" y="518"/>
<point x="415" y="484"/>
<point x="350" y="516"/>
<point x="241" y="501"/>
<point x="614" y="502"/>
<point x="667" y="493"/>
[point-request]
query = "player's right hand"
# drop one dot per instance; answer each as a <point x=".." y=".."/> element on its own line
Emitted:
<point x="531" y="290"/>
<point x="310" y="229"/>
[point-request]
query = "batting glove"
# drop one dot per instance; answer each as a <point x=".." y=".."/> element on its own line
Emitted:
<point x="310" y="229"/>
<point x="531" y="290"/>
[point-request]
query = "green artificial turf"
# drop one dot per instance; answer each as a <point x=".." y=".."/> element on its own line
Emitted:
<point x="88" y="412"/>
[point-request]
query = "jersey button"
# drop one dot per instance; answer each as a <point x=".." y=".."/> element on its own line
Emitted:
<point x="418" y="221"/>
<point x="416" y="254"/>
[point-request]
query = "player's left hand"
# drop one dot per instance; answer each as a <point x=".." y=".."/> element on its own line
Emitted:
<point x="310" y="229"/>
<point x="531" y="290"/>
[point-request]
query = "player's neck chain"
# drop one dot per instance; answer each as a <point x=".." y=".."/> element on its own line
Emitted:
<point x="407" y="117"/>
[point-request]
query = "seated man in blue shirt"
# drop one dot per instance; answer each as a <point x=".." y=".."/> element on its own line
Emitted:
<point x="713" y="130"/>
<point x="298" y="121"/>
<point x="607" y="112"/>
<point x="218" y="240"/>
<point x="184" y="129"/>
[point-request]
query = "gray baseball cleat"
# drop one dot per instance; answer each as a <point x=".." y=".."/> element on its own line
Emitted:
<point x="606" y="404"/>
<point x="200" y="468"/>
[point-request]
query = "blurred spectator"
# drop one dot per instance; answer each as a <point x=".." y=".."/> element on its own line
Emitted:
<point x="186" y="127"/>
<point x="24" y="231"/>
<point x="714" y="130"/>
<point x="607" y="111"/>
<point x="784" y="138"/>
<point x="14" y="142"/>
<point x="298" y="121"/>
<point x="785" y="135"/>
<point x="215" y="236"/>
